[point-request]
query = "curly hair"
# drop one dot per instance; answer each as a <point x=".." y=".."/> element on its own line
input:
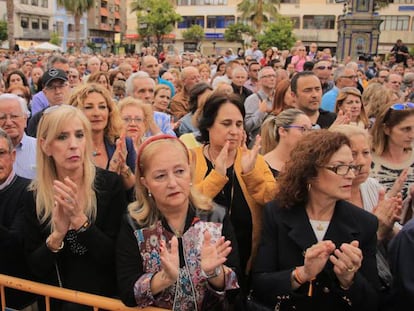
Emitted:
<point x="114" y="127"/>
<point x="312" y="152"/>
<point x="374" y="97"/>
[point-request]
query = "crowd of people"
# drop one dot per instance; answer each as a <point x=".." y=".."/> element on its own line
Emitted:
<point x="259" y="180"/>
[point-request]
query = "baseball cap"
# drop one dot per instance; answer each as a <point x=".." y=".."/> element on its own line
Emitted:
<point x="53" y="74"/>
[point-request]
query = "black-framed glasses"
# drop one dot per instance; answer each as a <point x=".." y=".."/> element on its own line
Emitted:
<point x="343" y="169"/>
<point x="56" y="87"/>
<point x="301" y="128"/>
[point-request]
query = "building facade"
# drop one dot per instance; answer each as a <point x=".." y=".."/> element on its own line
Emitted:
<point x="314" y="21"/>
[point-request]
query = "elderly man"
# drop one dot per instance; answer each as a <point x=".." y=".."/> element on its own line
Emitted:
<point x="343" y="77"/>
<point x="258" y="105"/>
<point x="150" y="65"/>
<point x="180" y="102"/>
<point x="12" y="192"/>
<point x="140" y="85"/>
<point x="13" y="120"/>
<point x="56" y="90"/>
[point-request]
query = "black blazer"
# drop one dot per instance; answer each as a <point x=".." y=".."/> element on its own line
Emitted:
<point x="287" y="233"/>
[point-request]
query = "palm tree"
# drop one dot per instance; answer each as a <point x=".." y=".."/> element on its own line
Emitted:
<point x="10" y="23"/>
<point x="258" y="11"/>
<point x="77" y="8"/>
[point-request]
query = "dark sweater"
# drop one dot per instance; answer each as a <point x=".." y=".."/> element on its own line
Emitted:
<point x="12" y="260"/>
<point x="93" y="269"/>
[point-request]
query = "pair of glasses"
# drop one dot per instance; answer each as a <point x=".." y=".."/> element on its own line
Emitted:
<point x="129" y="120"/>
<point x="397" y="107"/>
<point x="13" y="117"/>
<point x="269" y="76"/>
<point x="350" y="77"/>
<point x="324" y="67"/>
<point x="343" y="169"/>
<point x="56" y="87"/>
<point x="301" y="128"/>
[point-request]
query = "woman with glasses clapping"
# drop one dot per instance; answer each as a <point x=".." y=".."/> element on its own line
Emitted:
<point x="317" y="251"/>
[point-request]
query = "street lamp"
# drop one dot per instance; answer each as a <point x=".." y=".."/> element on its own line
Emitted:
<point x="214" y="46"/>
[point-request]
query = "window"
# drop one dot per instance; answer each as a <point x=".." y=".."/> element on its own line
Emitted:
<point x="35" y="23"/>
<point x="296" y="21"/>
<point x="71" y="27"/>
<point x="392" y="22"/>
<point x="404" y="1"/>
<point x="45" y="24"/>
<point x="201" y="2"/>
<point x="188" y="21"/>
<point x="24" y="22"/>
<point x="45" y="3"/>
<point x="220" y="21"/>
<point x="319" y="22"/>
<point x="35" y="2"/>
<point x="290" y="1"/>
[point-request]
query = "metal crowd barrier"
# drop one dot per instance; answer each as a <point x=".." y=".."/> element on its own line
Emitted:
<point x="48" y="291"/>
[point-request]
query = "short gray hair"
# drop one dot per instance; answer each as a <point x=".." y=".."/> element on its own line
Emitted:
<point x="21" y="101"/>
<point x="4" y="135"/>
<point x="130" y="82"/>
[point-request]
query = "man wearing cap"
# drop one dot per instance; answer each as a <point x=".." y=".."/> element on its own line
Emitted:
<point x="57" y="91"/>
<point x="39" y="101"/>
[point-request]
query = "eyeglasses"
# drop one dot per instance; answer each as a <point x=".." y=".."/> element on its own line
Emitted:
<point x="301" y="128"/>
<point x="13" y="117"/>
<point x="269" y="76"/>
<point x="343" y="169"/>
<point x="129" y="120"/>
<point x="56" y="87"/>
<point x="350" y="77"/>
<point x="324" y="67"/>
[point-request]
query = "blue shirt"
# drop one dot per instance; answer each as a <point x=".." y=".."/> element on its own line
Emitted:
<point x="163" y="121"/>
<point x="39" y="102"/>
<point x="329" y="99"/>
<point x="25" y="163"/>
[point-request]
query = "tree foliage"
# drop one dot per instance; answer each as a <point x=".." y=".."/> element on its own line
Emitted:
<point x="279" y="34"/>
<point x="194" y="33"/>
<point x="77" y="8"/>
<point x="3" y="31"/>
<point x="156" y="18"/>
<point x="258" y="11"/>
<point x="234" y="32"/>
<point x="54" y="38"/>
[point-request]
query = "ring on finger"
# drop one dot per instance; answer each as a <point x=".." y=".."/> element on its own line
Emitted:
<point x="351" y="269"/>
<point x="69" y="200"/>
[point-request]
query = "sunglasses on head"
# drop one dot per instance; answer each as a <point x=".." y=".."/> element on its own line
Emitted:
<point x="324" y="67"/>
<point x="398" y="107"/>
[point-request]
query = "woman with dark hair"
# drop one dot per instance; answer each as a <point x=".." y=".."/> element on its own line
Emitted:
<point x="115" y="75"/>
<point x="22" y="92"/>
<point x="317" y="251"/>
<point x="16" y="77"/>
<point x="234" y="176"/>
<point x="267" y="57"/>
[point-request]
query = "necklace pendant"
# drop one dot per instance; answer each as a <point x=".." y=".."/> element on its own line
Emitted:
<point x="320" y="227"/>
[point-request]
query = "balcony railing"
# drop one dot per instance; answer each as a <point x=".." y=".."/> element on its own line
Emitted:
<point x="36" y="34"/>
<point x="48" y="291"/>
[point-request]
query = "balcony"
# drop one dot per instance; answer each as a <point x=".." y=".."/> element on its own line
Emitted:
<point x="117" y="28"/>
<point x="35" y="34"/>
<point x="105" y="27"/>
<point x="104" y="12"/>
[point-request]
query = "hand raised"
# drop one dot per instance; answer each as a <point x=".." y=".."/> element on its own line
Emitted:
<point x="170" y="260"/>
<point x="249" y="157"/>
<point x="220" y="163"/>
<point x="347" y="260"/>
<point x="213" y="255"/>
<point x="316" y="257"/>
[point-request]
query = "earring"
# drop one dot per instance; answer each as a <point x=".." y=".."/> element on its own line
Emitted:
<point x="309" y="187"/>
<point x="191" y="184"/>
<point x="149" y="194"/>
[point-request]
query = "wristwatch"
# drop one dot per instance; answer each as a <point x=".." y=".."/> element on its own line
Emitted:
<point x="213" y="274"/>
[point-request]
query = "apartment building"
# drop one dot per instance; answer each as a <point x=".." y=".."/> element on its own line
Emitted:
<point x="314" y="21"/>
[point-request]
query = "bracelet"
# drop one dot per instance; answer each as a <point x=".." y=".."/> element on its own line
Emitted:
<point x="84" y="227"/>
<point x="54" y="250"/>
<point x="296" y="276"/>
<point x="211" y="275"/>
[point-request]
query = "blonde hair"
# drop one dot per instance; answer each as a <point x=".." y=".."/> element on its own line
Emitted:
<point x="374" y="97"/>
<point x="144" y="209"/>
<point x="50" y="125"/>
<point x="270" y="128"/>
<point x="343" y="94"/>
<point x="139" y="104"/>
<point x="114" y="127"/>
<point x="350" y="131"/>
